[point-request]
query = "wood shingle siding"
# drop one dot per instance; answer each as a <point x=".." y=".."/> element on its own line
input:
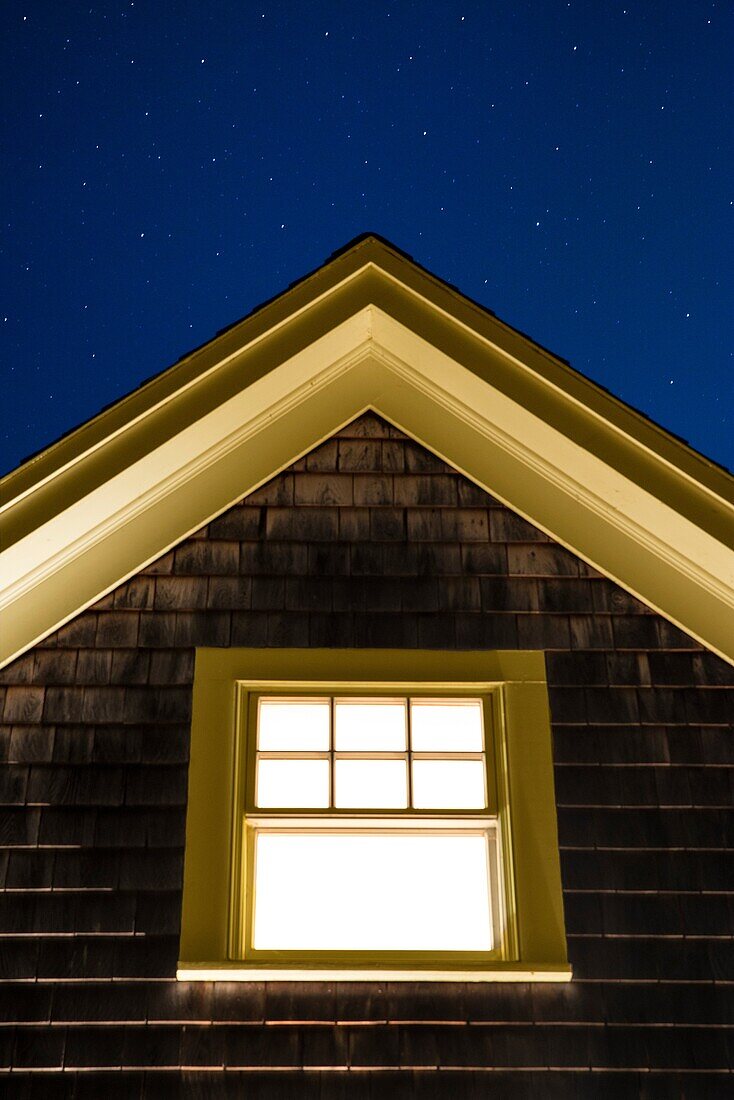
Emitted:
<point x="368" y="541"/>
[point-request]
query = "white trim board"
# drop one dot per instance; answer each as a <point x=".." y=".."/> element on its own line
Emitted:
<point x="634" y="508"/>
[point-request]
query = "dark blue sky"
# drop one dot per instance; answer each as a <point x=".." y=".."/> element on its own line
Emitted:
<point x="168" y="166"/>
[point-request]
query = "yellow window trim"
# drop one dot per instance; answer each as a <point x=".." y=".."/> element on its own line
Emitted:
<point x="214" y="916"/>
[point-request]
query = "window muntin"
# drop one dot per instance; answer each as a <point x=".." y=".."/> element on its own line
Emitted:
<point x="370" y="753"/>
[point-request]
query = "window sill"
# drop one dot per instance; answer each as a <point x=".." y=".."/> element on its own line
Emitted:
<point x="503" y="972"/>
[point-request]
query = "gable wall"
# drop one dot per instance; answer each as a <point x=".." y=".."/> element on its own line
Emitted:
<point x="369" y="541"/>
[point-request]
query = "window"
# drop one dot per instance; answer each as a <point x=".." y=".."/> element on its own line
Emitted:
<point x="369" y="824"/>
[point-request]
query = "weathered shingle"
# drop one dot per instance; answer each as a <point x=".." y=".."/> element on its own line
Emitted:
<point x="367" y="541"/>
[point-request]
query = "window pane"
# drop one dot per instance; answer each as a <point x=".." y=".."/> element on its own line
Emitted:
<point x="356" y="891"/>
<point x="293" y="724"/>
<point x="448" y="785"/>
<point x="302" y="783"/>
<point x="448" y="726"/>
<point x="372" y="784"/>
<point x="370" y="726"/>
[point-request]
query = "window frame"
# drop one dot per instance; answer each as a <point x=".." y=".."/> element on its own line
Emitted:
<point x="213" y="933"/>
<point x="248" y="818"/>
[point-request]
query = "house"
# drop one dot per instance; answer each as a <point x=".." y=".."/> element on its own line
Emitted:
<point x="446" y="632"/>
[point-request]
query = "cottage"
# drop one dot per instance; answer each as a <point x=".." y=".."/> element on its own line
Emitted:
<point x="367" y="701"/>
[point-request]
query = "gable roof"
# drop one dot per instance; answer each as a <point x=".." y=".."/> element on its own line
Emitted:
<point x="368" y="330"/>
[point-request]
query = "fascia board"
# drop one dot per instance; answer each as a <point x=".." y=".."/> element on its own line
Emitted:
<point x="614" y="523"/>
<point x="369" y="271"/>
<point x="179" y="458"/>
<point x="162" y="409"/>
<point x="572" y="404"/>
<point x="623" y="531"/>
<point x="288" y="311"/>
<point x="558" y="457"/>
<point x="437" y="303"/>
<point x="422" y="303"/>
<point x="85" y="550"/>
<point x="600" y="479"/>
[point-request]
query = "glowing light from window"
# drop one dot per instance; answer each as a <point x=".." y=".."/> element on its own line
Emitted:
<point x="293" y="783"/>
<point x="448" y="785"/>
<point x="449" y="726"/>
<point x="293" y="725"/>
<point x="347" y="891"/>
<point x="370" y="726"/>
<point x="377" y="784"/>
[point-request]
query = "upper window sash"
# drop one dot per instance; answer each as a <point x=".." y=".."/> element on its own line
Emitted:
<point x="418" y="798"/>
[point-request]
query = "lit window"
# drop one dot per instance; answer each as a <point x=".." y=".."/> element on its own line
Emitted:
<point x="404" y="858"/>
<point x="371" y="814"/>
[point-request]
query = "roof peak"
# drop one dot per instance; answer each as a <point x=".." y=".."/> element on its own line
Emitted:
<point x="369" y="237"/>
<point x="371" y="328"/>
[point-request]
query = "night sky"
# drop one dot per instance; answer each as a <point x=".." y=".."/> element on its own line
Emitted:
<point x="169" y="166"/>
